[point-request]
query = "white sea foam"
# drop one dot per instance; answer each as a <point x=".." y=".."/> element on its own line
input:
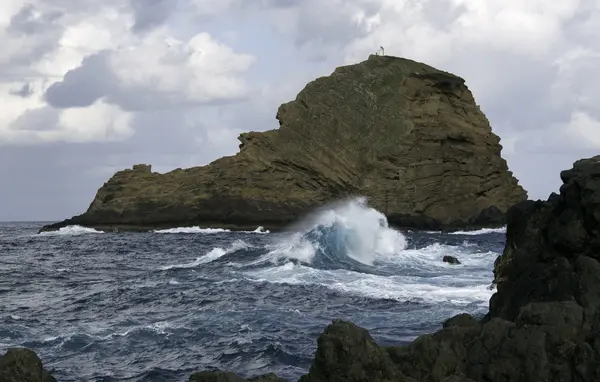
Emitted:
<point x="70" y="230"/>
<point x="191" y="230"/>
<point x="354" y="230"/>
<point x="455" y="289"/>
<point x="350" y="229"/>
<point x="212" y="255"/>
<point x="198" y="230"/>
<point x="480" y="231"/>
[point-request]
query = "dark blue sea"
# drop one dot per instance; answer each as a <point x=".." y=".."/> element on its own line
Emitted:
<point x="160" y="305"/>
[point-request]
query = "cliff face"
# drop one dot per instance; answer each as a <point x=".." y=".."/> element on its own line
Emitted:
<point x="407" y="136"/>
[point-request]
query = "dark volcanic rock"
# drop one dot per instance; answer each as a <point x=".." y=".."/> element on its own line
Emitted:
<point x="22" y="365"/>
<point x="221" y="376"/>
<point x="450" y="260"/>
<point x="346" y="352"/>
<point x="407" y="136"/>
<point x="544" y="319"/>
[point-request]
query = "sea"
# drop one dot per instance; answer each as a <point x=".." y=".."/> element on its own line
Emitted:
<point x="160" y="305"/>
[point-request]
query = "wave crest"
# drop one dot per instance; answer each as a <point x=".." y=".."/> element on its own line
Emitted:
<point x="350" y="235"/>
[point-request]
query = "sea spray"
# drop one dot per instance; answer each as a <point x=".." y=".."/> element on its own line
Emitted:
<point x="347" y="233"/>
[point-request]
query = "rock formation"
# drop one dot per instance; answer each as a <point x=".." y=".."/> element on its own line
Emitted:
<point x="544" y="319"/>
<point x="23" y="365"/>
<point x="407" y="136"/>
<point x="450" y="260"/>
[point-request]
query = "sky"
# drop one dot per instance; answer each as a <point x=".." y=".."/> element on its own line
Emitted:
<point x="91" y="87"/>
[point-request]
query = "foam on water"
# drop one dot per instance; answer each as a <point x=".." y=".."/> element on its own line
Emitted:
<point x="196" y="230"/>
<point x="449" y="288"/>
<point x="480" y="231"/>
<point x="261" y="229"/>
<point x="347" y="233"/>
<point x="70" y="230"/>
<point x="412" y="275"/>
<point x="191" y="230"/>
<point x="351" y="249"/>
<point x="211" y="256"/>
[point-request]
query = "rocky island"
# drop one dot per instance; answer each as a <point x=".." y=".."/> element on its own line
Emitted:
<point x="543" y="324"/>
<point x="407" y="136"/>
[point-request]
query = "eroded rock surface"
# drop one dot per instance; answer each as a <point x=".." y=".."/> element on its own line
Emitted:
<point x="407" y="136"/>
<point x="23" y="365"/>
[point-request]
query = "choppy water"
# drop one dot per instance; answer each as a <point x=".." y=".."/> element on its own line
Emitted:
<point x="158" y="306"/>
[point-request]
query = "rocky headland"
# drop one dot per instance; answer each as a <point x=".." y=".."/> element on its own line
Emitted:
<point x="543" y="324"/>
<point x="407" y="136"/>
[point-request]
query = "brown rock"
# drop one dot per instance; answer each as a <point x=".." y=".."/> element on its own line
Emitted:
<point x="407" y="136"/>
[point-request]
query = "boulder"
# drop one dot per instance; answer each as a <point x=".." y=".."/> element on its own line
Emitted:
<point x="221" y="376"/>
<point x="23" y="365"/>
<point x="450" y="260"/>
<point x="346" y="352"/>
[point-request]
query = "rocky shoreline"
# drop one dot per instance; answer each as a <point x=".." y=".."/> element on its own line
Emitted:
<point x="543" y="324"/>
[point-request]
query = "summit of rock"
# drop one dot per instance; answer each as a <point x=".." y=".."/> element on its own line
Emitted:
<point x="407" y="136"/>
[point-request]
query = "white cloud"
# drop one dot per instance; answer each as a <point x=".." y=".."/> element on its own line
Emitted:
<point x="97" y="122"/>
<point x="199" y="70"/>
<point x="173" y="82"/>
<point x="88" y="56"/>
<point x="584" y="130"/>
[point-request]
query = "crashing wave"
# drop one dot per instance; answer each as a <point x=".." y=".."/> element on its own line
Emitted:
<point x="350" y="235"/>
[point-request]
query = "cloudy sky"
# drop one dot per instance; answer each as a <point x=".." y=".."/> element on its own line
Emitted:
<point x="89" y="87"/>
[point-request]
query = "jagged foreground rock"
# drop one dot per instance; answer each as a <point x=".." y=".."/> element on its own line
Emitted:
<point x="544" y="319"/>
<point x="22" y="365"/>
<point x="408" y="136"/>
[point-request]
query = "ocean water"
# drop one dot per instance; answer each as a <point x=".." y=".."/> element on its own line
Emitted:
<point x="158" y="306"/>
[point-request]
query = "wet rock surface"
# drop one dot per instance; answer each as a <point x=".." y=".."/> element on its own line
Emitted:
<point x="450" y="260"/>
